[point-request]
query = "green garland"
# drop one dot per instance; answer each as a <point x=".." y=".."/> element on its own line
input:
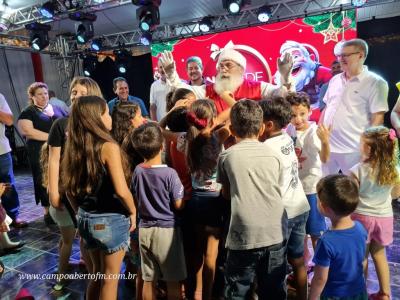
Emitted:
<point x="157" y="48"/>
<point x="321" y="22"/>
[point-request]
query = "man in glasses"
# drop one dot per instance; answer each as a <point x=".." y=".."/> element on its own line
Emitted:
<point x="231" y="67"/>
<point x="355" y="100"/>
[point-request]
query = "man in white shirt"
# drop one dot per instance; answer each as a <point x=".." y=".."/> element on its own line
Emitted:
<point x="9" y="200"/>
<point x="158" y="94"/>
<point x="355" y="100"/>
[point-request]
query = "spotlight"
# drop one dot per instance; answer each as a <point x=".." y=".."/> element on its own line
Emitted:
<point x="205" y="24"/>
<point x="85" y="30"/>
<point x="264" y="14"/>
<point x="39" y="35"/>
<point x="89" y="64"/>
<point x="358" y="3"/>
<point x="148" y="17"/>
<point x="146" y="38"/>
<point x="72" y="4"/>
<point x="122" y="60"/>
<point x="234" y="6"/>
<point x="96" y="44"/>
<point x="48" y="9"/>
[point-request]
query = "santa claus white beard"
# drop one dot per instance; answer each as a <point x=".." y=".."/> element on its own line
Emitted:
<point x="229" y="84"/>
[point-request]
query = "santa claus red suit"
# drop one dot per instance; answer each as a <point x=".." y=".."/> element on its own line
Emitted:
<point x="248" y="89"/>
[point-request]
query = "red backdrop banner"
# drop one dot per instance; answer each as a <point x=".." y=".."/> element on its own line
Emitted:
<point x="262" y="45"/>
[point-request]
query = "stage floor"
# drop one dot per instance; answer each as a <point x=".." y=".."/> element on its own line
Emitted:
<point x="40" y="255"/>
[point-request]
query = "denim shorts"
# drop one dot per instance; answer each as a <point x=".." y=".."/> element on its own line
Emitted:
<point x="296" y="233"/>
<point x="108" y="232"/>
<point x="207" y="208"/>
<point x="361" y="296"/>
<point x="316" y="224"/>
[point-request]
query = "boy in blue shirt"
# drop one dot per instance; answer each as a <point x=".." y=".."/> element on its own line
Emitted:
<point x="340" y="251"/>
<point x="159" y="192"/>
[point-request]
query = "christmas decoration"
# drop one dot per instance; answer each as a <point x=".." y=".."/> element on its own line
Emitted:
<point x="157" y="48"/>
<point x="322" y="22"/>
<point x="330" y="34"/>
<point x="346" y="22"/>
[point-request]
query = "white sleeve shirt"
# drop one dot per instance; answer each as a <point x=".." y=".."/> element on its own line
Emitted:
<point x="349" y="106"/>
<point x="158" y="95"/>
<point x="4" y="144"/>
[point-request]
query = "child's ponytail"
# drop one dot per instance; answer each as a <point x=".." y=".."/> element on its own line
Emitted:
<point x="202" y="149"/>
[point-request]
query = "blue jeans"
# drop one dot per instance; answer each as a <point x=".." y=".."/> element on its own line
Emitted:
<point x="267" y="264"/>
<point x="9" y="200"/>
<point x="295" y="235"/>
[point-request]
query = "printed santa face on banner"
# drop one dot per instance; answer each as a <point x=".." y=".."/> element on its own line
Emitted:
<point x="257" y="67"/>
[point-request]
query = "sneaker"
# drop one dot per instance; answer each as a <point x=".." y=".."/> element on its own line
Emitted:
<point x="48" y="220"/>
<point x="59" y="285"/>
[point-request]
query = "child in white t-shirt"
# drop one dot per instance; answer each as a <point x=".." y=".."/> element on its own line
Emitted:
<point x="312" y="147"/>
<point x="277" y="114"/>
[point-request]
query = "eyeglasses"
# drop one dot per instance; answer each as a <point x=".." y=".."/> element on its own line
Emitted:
<point x="228" y="65"/>
<point x="345" y="55"/>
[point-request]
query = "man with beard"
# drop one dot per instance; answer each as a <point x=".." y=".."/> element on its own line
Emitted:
<point x="194" y="68"/>
<point x="308" y="74"/>
<point x="231" y="68"/>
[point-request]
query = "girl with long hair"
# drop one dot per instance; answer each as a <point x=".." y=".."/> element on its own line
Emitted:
<point x="125" y="118"/>
<point x="378" y="177"/>
<point x="60" y="209"/>
<point x="97" y="188"/>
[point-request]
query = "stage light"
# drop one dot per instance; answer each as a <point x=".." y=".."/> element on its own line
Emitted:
<point x="358" y="3"/>
<point x="96" y="44"/>
<point x="148" y="17"/>
<point x="146" y="38"/>
<point x="85" y="30"/>
<point x="233" y="6"/>
<point x="73" y="4"/>
<point x="205" y="24"/>
<point x="48" y="9"/>
<point x="264" y="14"/>
<point x="89" y="64"/>
<point x="122" y="60"/>
<point x="39" y="35"/>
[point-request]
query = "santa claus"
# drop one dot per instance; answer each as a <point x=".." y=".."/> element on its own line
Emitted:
<point x="308" y="74"/>
<point x="231" y="66"/>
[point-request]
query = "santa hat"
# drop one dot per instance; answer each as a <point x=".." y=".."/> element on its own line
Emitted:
<point x="233" y="55"/>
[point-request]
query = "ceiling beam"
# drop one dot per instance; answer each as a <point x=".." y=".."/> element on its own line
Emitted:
<point x="281" y="10"/>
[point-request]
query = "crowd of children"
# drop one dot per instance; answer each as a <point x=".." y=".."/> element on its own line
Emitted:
<point x="181" y="197"/>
